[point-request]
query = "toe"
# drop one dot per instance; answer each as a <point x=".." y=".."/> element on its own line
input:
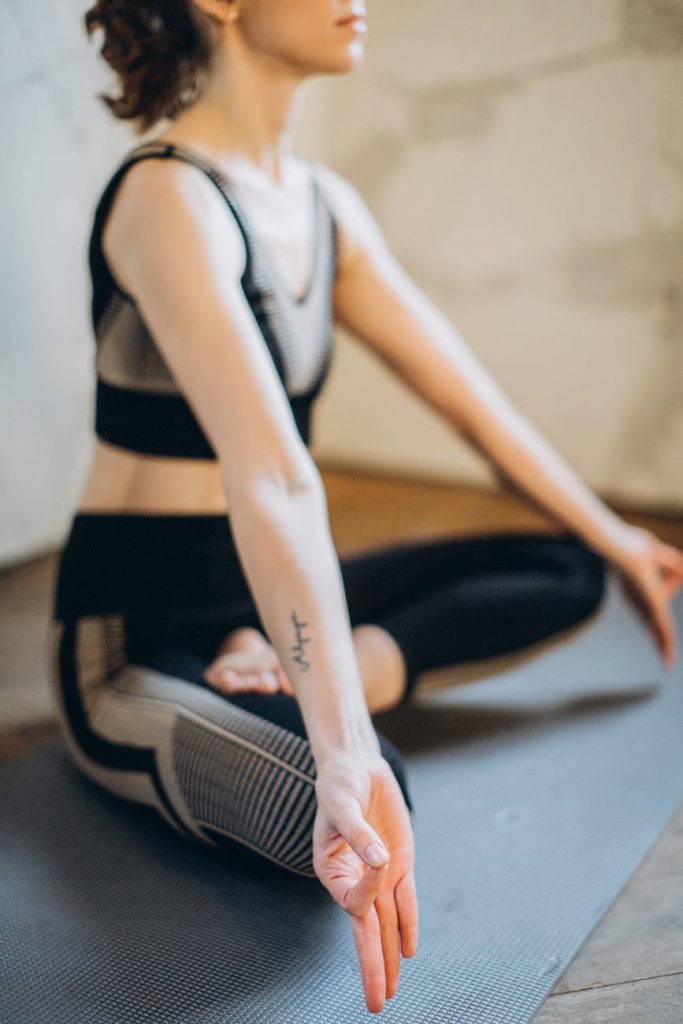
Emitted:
<point x="270" y="682"/>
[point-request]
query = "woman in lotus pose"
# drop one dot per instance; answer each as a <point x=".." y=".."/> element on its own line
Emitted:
<point x="214" y="658"/>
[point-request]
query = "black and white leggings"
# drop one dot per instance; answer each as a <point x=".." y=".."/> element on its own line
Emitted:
<point x="142" y="602"/>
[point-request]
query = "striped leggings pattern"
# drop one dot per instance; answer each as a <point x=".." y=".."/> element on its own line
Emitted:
<point x="217" y="773"/>
<point x="237" y="771"/>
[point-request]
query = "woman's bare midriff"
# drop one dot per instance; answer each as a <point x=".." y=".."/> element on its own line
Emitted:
<point x="122" y="481"/>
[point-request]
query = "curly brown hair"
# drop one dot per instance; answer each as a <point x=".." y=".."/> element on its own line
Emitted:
<point x="160" y="51"/>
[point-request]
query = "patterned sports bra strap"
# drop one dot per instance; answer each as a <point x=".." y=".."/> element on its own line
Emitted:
<point x="98" y="264"/>
<point x="171" y="150"/>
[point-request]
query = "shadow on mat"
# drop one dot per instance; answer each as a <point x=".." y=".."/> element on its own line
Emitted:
<point x="437" y="727"/>
<point x="171" y="927"/>
<point x="140" y="921"/>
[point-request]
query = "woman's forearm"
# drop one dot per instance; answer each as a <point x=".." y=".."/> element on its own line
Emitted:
<point x="520" y="453"/>
<point x="290" y="562"/>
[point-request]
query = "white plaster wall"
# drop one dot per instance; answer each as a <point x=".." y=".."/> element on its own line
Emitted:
<point x="59" y="145"/>
<point x="551" y="233"/>
<point x="525" y="161"/>
<point x="56" y="146"/>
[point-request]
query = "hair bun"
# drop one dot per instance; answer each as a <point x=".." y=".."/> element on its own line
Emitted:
<point x="160" y="51"/>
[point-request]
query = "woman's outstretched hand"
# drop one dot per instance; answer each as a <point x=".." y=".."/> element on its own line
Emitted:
<point x="360" y="803"/>
<point x="653" y="572"/>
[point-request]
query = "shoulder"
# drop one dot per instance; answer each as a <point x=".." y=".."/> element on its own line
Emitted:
<point x="160" y="201"/>
<point x="358" y="228"/>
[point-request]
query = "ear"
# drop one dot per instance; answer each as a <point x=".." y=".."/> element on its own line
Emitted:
<point x="221" y="11"/>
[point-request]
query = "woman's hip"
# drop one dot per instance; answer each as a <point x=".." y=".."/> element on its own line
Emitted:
<point x="143" y="564"/>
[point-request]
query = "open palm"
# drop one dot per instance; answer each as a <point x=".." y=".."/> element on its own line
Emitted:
<point x="360" y="802"/>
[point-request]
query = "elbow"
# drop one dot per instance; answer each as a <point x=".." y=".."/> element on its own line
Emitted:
<point x="305" y="481"/>
<point x="284" y="478"/>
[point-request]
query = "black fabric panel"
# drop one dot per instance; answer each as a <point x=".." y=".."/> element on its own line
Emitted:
<point x="153" y="424"/>
<point x="126" y="561"/>
<point x="162" y="424"/>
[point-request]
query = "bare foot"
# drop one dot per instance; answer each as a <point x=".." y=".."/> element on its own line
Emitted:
<point x="246" y="661"/>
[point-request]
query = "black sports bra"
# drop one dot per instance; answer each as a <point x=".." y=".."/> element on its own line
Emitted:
<point x="138" y="403"/>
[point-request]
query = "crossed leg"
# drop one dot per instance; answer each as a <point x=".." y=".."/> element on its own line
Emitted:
<point x="427" y="604"/>
<point x="233" y="773"/>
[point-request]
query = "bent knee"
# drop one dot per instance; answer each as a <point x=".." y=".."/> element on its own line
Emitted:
<point x="586" y="576"/>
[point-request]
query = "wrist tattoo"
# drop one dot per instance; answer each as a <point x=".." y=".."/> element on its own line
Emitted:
<point x="298" y="647"/>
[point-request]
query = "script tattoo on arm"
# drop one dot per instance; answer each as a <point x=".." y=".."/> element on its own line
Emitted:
<point x="298" y="647"/>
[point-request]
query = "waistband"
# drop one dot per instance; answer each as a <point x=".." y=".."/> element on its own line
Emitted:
<point x="113" y="562"/>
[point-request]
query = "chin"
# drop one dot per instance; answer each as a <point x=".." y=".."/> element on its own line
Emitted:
<point x="348" y="59"/>
<point x="356" y="55"/>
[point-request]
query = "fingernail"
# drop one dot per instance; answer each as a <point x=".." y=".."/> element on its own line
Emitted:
<point x="376" y="854"/>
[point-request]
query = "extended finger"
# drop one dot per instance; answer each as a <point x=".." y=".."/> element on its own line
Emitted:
<point x="388" y="922"/>
<point x="368" y="940"/>
<point x="664" y="622"/>
<point x="645" y="592"/>
<point x="406" y="904"/>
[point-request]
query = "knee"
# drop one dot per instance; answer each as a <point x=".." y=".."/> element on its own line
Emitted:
<point x="586" y="575"/>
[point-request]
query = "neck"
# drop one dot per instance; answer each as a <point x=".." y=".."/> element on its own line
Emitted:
<point x="246" y="111"/>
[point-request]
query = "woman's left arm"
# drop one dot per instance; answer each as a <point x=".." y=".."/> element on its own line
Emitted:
<point x="377" y="301"/>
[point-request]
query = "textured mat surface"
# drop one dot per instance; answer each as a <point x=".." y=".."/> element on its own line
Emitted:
<point x="537" y="792"/>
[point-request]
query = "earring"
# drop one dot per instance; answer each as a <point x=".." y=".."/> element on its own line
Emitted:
<point x="233" y="13"/>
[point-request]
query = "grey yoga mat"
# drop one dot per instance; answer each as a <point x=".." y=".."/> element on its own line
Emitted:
<point x="538" y="790"/>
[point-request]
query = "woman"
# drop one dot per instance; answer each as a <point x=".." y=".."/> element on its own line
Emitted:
<point x="213" y="657"/>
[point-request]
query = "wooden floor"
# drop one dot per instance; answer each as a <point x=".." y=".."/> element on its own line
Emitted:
<point x="630" y="969"/>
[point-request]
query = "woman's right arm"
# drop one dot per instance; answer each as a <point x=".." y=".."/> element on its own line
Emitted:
<point x="176" y="243"/>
